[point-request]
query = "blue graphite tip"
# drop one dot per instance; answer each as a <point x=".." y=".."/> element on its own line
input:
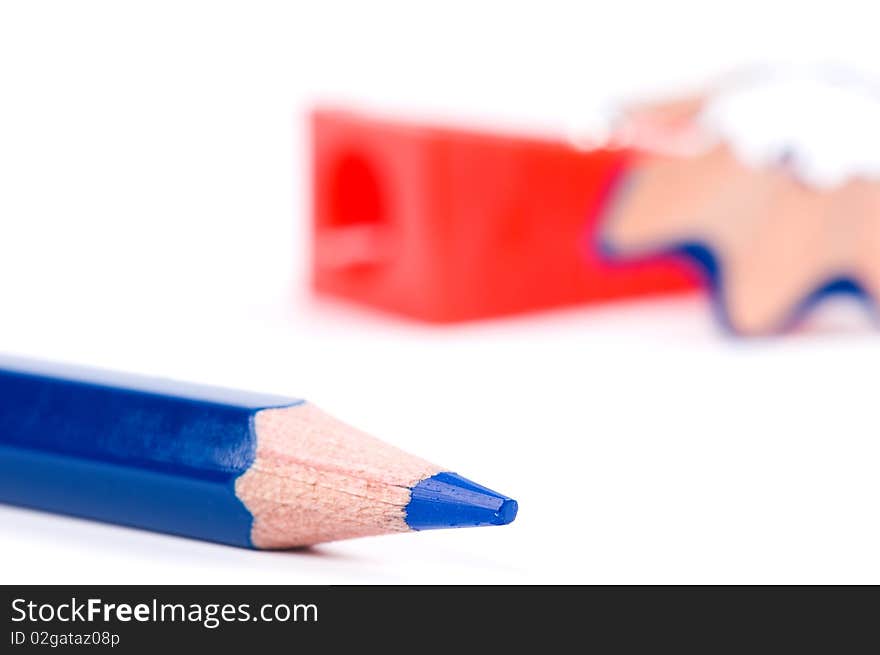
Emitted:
<point x="448" y="500"/>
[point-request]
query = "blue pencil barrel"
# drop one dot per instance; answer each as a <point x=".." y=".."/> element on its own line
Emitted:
<point x="142" y="452"/>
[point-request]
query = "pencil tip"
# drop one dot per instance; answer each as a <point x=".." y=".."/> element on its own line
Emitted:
<point x="448" y="500"/>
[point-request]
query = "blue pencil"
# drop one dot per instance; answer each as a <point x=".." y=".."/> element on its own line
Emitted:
<point x="238" y="468"/>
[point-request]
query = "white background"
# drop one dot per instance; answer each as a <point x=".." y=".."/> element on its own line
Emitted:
<point x="153" y="213"/>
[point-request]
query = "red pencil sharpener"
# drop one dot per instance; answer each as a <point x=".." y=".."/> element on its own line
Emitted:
<point x="449" y="225"/>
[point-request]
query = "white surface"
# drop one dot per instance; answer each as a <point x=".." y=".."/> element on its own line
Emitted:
<point x="152" y="210"/>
